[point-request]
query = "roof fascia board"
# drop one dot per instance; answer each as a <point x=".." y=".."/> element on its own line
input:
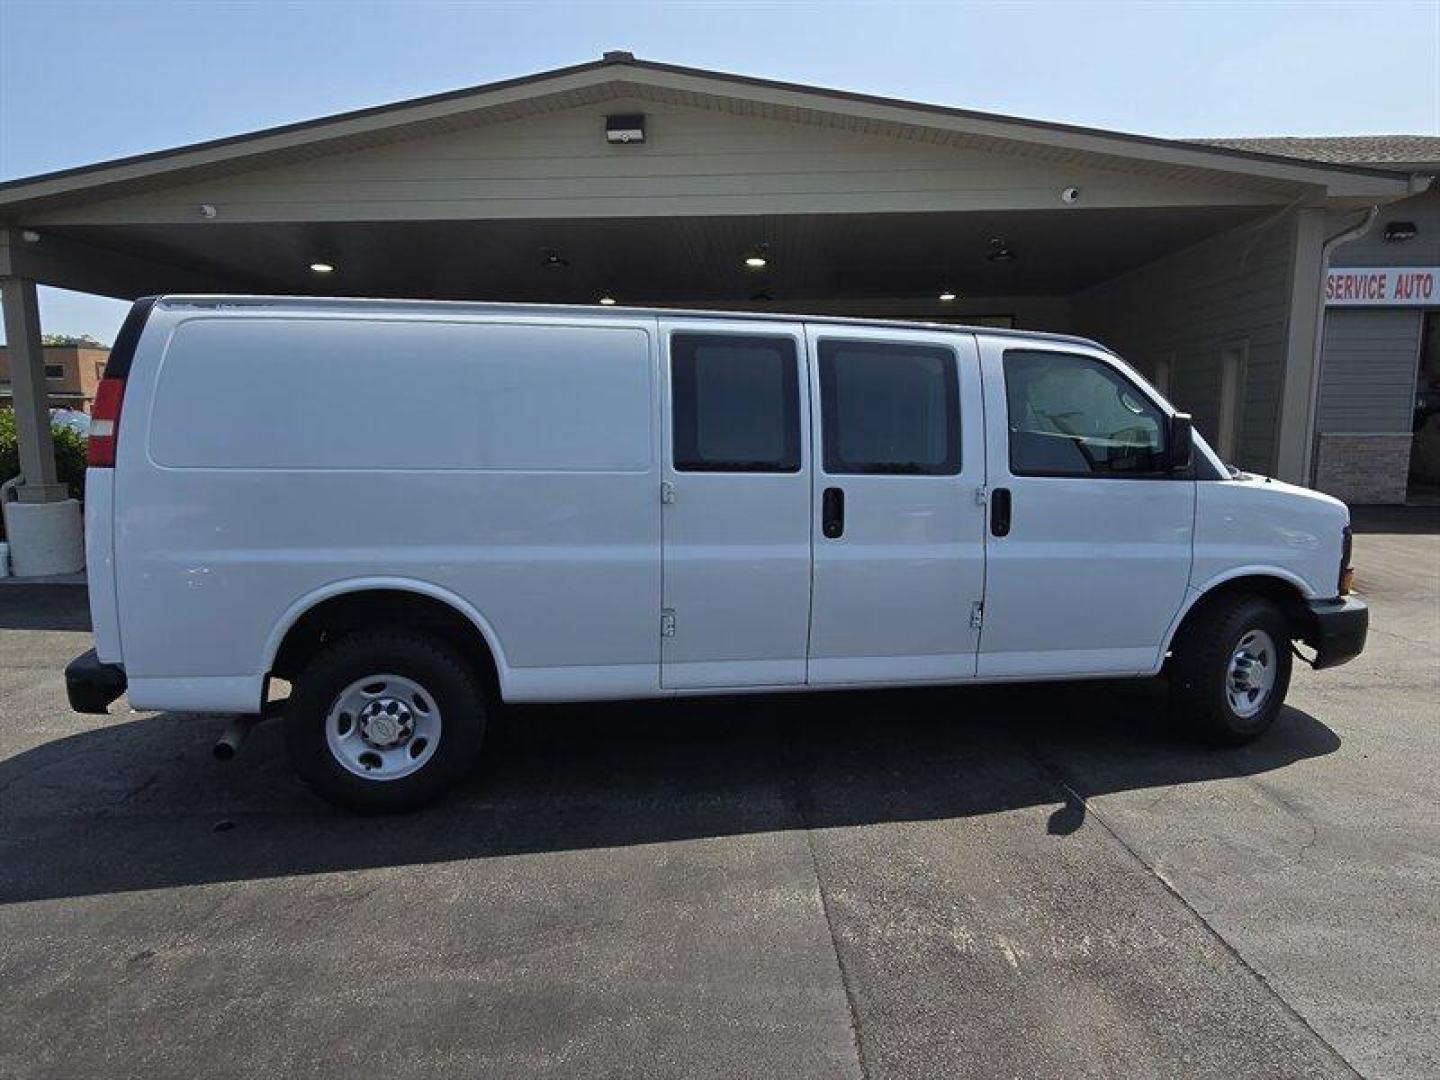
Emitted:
<point x="1338" y="180"/>
<point x="1335" y="181"/>
<point x="306" y="132"/>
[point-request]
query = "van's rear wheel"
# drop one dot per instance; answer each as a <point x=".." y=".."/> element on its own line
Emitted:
<point x="1232" y="669"/>
<point x="384" y="722"/>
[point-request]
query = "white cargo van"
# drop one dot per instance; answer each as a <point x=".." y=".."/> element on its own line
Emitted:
<point x="409" y="510"/>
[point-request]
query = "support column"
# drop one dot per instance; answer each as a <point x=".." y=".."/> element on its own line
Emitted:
<point x="32" y="402"/>
<point x="1297" y="385"/>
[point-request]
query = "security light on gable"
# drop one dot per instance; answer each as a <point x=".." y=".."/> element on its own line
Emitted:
<point x="625" y="130"/>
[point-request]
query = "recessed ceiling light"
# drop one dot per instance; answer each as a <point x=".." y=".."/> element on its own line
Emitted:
<point x="948" y="294"/>
<point x="322" y="267"/>
<point x="756" y="262"/>
<point x="607" y="300"/>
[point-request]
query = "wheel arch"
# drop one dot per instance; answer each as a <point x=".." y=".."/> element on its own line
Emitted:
<point x="1288" y="591"/>
<point x="344" y="606"/>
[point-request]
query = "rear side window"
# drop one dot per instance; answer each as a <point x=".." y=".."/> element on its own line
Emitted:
<point x="889" y="408"/>
<point x="736" y="403"/>
<point x="292" y="393"/>
<point x="1072" y="415"/>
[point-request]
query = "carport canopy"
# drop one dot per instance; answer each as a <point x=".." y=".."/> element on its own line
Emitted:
<point x="511" y="192"/>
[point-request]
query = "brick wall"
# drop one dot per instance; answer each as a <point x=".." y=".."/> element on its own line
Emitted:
<point x="1363" y="469"/>
<point x="73" y="386"/>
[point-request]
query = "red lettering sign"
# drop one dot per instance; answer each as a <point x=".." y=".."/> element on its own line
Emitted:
<point x="1392" y="286"/>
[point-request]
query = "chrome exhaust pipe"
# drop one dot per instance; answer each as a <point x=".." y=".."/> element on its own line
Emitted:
<point x="234" y="735"/>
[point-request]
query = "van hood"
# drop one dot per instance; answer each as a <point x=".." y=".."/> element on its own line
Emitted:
<point x="1284" y="488"/>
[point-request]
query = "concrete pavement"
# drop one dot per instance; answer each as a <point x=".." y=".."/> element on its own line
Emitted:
<point x="1014" y="881"/>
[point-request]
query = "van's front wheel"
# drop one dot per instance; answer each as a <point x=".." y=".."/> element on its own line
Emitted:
<point x="384" y="722"/>
<point x="1232" y="669"/>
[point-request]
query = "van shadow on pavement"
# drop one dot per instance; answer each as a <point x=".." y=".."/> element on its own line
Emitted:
<point x="141" y="804"/>
<point x="26" y="606"/>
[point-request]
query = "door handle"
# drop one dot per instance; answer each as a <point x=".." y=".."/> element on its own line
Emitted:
<point x="832" y="513"/>
<point x="1000" y="512"/>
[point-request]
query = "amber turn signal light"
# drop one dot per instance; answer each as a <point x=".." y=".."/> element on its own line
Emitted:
<point x="1347" y="580"/>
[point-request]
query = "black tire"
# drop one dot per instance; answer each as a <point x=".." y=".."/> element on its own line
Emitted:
<point x="431" y="664"/>
<point x="1201" y="669"/>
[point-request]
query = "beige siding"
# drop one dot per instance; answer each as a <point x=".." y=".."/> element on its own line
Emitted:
<point x="1373" y="249"/>
<point x="695" y="161"/>
<point x="1367" y="380"/>
<point x="1188" y="308"/>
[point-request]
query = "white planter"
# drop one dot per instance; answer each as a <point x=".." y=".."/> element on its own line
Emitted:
<point x="44" y="538"/>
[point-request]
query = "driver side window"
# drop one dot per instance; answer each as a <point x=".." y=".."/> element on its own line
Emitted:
<point x="1071" y="415"/>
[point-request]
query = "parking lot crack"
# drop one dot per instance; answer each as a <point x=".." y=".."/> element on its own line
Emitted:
<point x="1072" y="794"/>
<point x="854" y="1018"/>
<point x="802" y="813"/>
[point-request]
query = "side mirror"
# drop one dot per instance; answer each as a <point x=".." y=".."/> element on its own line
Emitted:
<point x="1182" y="441"/>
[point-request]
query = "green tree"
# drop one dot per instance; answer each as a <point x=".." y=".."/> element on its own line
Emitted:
<point x="84" y="340"/>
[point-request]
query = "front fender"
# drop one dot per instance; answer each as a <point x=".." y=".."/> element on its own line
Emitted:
<point x="1194" y="594"/>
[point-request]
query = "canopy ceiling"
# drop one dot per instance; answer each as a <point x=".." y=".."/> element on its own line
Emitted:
<point x="665" y="260"/>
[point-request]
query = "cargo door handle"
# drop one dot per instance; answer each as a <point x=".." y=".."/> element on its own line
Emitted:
<point x="1000" y="512"/>
<point x="832" y="513"/>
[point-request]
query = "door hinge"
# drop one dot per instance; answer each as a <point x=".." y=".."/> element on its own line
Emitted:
<point x="977" y="614"/>
<point x="667" y="622"/>
<point x="982" y="495"/>
<point x="667" y="492"/>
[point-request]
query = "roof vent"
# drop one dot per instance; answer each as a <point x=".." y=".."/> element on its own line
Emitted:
<point x="618" y="56"/>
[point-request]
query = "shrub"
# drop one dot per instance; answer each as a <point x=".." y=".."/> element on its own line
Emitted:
<point x="69" y="455"/>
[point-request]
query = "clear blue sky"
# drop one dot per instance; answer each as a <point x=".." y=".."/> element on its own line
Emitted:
<point x="81" y="82"/>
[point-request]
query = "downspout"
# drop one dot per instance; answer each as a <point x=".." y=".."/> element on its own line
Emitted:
<point x="1312" y="408"/>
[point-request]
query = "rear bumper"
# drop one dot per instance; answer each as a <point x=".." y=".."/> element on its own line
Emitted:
<point x="90" y="685"/>
<point x="1337" y="630"/>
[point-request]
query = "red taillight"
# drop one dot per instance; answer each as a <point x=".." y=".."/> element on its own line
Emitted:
<point x="105" y="424"/>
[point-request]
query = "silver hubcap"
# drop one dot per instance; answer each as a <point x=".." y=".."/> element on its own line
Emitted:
<point x="383" y="727"/>
<point x="1251" y="674"/>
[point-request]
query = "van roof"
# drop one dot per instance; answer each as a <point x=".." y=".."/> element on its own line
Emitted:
<point x="311" y="303"/>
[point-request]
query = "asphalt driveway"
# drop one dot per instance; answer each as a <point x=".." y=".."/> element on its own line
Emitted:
<point x="1016" y="882"/>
